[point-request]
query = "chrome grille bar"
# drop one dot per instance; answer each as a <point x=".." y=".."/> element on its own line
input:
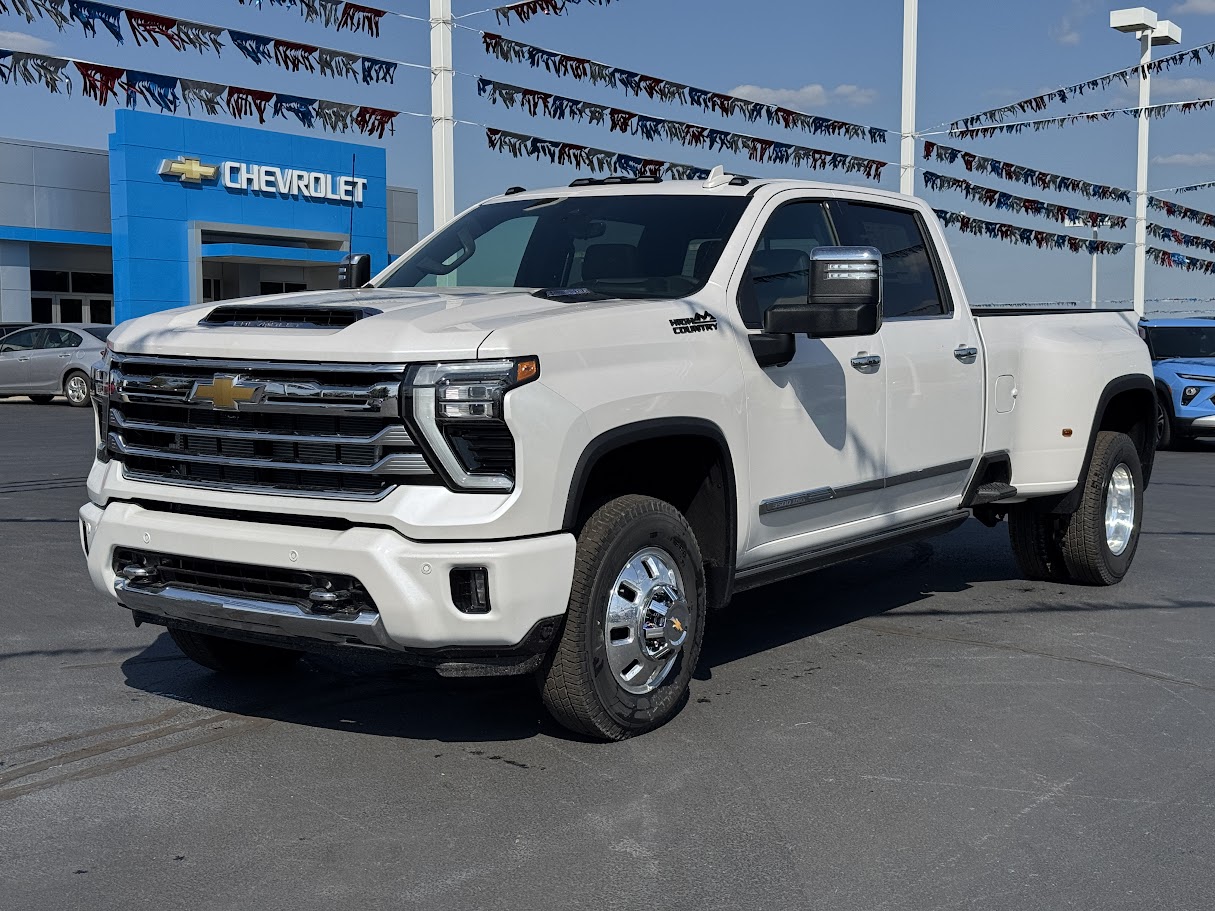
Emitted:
<point x="302" y="429"/>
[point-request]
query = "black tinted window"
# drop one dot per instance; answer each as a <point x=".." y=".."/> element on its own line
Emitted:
<point x="618" y="245"/>
<point x="61" y="338"/>
<point x="99" y="332"/>
<point x="909" y="280"/>
<point x="1182" y="341"/>
<point x="778" y="271"/>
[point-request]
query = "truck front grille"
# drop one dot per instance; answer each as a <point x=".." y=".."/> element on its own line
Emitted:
<point x="324" y="430"/>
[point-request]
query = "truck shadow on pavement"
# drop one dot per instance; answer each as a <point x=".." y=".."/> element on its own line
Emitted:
<point x="366" y="694"/>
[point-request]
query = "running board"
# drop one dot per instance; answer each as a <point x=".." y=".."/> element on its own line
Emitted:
<point x="797" y="564"/>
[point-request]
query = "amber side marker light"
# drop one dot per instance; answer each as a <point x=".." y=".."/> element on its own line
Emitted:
<point x="1067" y="431"/>
<point x="527" y="368"/>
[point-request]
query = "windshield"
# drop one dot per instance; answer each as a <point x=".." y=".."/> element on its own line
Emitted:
<point x="619" y="246"/>
<point x="1182" y="341"/>
<point x="101" y="332"/>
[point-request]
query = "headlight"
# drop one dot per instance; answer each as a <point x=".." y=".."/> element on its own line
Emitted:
<point x="459" y="410"/>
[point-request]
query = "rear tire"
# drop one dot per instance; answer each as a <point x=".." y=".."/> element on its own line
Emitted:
<point x="230" y="656"/>
<point x="1103" y="534"/>
<point x="1037" y="543"/>
<point x="41" y="399"/>
<point x="635" y="622"/>
<point x="76" y="389"/>
<point x="1164" y="424"/>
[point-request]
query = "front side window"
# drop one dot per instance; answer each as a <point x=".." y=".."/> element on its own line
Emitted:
<point x="651" y="246"/>
<point x="25" y="340"/>
<point x="778" y="271"/>
<point x="1182" y="341"/>
<point x="909" y="275"/>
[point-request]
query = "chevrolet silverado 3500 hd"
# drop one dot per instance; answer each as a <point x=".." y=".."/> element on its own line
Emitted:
<point x="558" y="433"/>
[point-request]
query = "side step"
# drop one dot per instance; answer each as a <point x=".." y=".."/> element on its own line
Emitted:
<point x="991" y="492"/>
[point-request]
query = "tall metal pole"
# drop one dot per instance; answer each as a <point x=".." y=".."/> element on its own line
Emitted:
<point x="1094" y="296"/>
<point x="1141" y="178"/>
<point x="911" y="17"/>
<point x="442" y="113"/>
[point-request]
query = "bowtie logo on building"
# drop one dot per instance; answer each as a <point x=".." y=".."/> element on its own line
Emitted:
<point x="188" y="170"/>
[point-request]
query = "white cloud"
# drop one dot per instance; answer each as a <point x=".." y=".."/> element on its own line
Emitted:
<point x="1187" y="159"/>
<point x="808" y="96"/>
<point x="1066" y="30"/>
<point x="1195" y="6"/>
<point x="23" y="43"/>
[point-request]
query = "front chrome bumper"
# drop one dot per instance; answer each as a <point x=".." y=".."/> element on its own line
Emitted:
<point x="248" y="615"/>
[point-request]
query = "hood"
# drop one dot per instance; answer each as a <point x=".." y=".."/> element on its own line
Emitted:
<point x="412" y="324"/>
<point x="1199" y="366"/>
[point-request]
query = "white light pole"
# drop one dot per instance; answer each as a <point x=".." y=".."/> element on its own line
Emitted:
<point x="1096" y="236"/>
<point x="911" y="19"/>
<point x="442" y="114"/>
<point x="1152" y="32"/>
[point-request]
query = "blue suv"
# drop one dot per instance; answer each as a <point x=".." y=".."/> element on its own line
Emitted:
<point x="1183" y="358"/>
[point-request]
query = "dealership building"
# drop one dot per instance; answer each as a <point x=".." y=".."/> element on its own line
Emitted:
<point x="182" y="211"/>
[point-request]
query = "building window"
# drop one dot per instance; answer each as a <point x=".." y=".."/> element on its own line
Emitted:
<point x="47" y="280"/>
<point x="92" y="283"/>
<point x="101" y="311"/>
<point x="282" y="287"/>
<point x="71" y="310"/>
<point x="40" y="310"/>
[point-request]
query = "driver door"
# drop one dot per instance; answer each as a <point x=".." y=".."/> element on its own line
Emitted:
<point x="16" y="351"/>
<point x="817" y="425"/>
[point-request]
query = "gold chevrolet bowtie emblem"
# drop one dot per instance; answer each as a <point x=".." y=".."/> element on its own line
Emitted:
<point x="189" y="170"/>
<point x="226" y="392"/>
<point x="675" y="623"/>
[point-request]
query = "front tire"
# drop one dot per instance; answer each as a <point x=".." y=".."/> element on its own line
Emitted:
<point x="634" y="625"/>
<point x="1103" y="534"/>
<point x="76" y="389"/>
<point x="230" y="656"/>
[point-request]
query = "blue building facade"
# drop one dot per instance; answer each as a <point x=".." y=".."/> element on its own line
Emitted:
<point x="184" y="211"/>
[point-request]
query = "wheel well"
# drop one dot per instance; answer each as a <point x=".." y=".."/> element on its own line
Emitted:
<point x="690" y="470"/>
<point x="1133" y="412"/>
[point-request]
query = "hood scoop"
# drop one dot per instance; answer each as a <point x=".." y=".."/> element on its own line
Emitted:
<point x="269" y="316"/>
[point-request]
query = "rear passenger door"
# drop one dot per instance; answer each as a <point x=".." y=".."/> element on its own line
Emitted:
<point x="933" y="362"/>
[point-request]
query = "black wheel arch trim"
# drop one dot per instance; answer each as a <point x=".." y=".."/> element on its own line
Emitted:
<point x="1070" y="502"/>
<point x="656" y="428"/>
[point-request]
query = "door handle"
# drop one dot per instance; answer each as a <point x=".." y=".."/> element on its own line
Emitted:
<point x="867" y="361"/>
<point x="65" y="355"/>
<point x="23" y="359"/>
<point x="966" y="353"/>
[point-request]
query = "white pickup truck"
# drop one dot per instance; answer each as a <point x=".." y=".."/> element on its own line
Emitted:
<point x="558" y="433"/>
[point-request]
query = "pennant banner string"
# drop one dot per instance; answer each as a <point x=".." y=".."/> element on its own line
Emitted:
<point x="1188" y="189"/>
<point x="1043" y="240"/>
<point x="637" y="84"/>
<point x="338" y="14"/>
<point x="1172" y="210"/>
<point x="1064" y="93"/>
<point x="525" y="9"/>
<point x="1177" y="237"/>
<point x="1155" y="111"/>
<point x="656" y="129"/>
<point x="183" y="33"/>
<point x="1005" y="170"/>
<point x="1001" y="200"/>
<point x="597" y="161"/>
<point x="101" y="83"/>
<point x="1180" y="261"/>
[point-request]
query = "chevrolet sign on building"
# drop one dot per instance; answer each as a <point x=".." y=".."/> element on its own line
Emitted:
<point x="241" y="176"/>
<point x="180" y="211"/>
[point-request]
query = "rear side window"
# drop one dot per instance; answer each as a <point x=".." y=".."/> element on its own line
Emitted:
<point x="911" y="285"/>
<point x="61" y="338"/>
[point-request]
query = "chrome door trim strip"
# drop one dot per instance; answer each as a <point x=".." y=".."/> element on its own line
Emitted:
<point x="823" y="494"/>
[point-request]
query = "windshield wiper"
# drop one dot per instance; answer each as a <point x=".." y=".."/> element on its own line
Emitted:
<point x="570" y="295"/>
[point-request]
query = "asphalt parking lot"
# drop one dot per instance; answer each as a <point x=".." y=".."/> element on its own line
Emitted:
<point x="921" y="729"/>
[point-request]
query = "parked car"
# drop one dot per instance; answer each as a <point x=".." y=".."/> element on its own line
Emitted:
<point x="1183" y="359"/>
<point x="45" y="361"/>
<point x="565" y="428"/>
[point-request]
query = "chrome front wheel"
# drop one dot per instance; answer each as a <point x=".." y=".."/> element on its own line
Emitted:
<point x="76" y="388"/>
<point x="647" y="620"/>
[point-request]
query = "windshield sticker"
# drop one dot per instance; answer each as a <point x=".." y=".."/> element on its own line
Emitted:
<point x="701" y="322"/>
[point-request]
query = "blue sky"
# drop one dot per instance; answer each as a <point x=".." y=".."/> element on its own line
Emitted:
<point x="831" y="58"/>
